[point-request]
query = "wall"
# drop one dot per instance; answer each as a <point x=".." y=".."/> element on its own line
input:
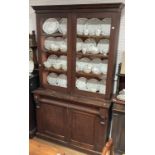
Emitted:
<point x="121" y="44"/>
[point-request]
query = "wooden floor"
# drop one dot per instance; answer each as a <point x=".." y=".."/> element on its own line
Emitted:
<point x="40" y="147"/>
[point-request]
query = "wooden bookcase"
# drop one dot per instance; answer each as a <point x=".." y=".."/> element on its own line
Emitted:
<point x="68" y="115"/>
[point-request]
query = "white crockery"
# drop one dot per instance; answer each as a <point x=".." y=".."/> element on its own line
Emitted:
<point x="93" y="85"/>
<point x="79" y="44"/>
<point x="102" y="86"/>
<point x="52" y="59"/>
<point x="52" y="79"/>
<point x="88" y="46"/>
<point x="82" y="63"/>
<point x="62" y="80"/>
<point x="102" y="89"/>
<point x="81" y="83"/>
<point x="87" y="68"/>
<point x="103" y="46"/>
<point x="47" y="64"/>
<point x="104" y="67"/>
<point x="56" y="44"/>
<point x="48" y="42"/>
<point x="106" y="26"/>
<point x="63" y="45"/>
<point x="63" y="26"/>
<point x="92" y="27"/>
<point x="57" y="65"/>
<point x="50" y="26"/>
<point x="59" y="41"/>
<point x="63" y="60"/>
<point x="80" y="25"/>
<point x="96" y="66"/>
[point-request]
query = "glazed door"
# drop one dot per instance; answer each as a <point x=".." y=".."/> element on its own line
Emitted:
<point x="94" y="53"/>
<point x="53" y="45"/>
<point x="52" y="120"/>
<point x="86" y="129"/>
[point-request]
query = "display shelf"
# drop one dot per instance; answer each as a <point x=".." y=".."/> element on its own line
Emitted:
<point x="94" y="37"/>
<point x="90" y="75"/>
<point x="58" y="53"/>
<point x="59" y="71"/>
<point x="57" y="34"/>
<point x="101" y="56"/>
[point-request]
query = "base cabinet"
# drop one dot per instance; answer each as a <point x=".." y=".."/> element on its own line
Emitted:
<point x="74" y="125"/>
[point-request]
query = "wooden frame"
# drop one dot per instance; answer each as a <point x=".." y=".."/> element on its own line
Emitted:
<point x="86" y="115"/>
<point x="72" y="12"/>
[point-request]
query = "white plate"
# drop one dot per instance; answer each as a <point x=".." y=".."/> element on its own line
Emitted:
<point x="93" y="85"/>
<point x="79" y="44"/>
<point x="62" y="80"/>
<point x="63" y="60"/>
<point x="96" y="66"/>
<point x="89" y="46"/>
<point x="92" y="27"/>
<point x="103" y="46"/>
<point x="52" y="59"/>
<point x="63" y="26"/>
<point x="48" y="42"/>
<point x="80" y="25"/>
<point x="52" y="79"/>
<point x="82" y="63"/>
<point x="81" y="83"/>
<point x="106" y="26"/>
<point x="63" y="45"/>
<point x="50" y="26"/>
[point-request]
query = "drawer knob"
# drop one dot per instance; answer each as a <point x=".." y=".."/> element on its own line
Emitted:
<point x="112" y="27"/>
<point x="102" y="123"/>
<point x="37" y="106"/>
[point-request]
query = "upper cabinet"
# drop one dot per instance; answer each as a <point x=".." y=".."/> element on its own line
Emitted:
<point x="77" y="48"/>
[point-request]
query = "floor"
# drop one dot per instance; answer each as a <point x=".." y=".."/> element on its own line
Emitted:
<point x="42" y="147"/>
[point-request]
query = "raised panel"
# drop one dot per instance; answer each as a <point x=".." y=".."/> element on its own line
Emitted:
<point x="82" y="128"/>
<point x="52" y="120"/>
<point x="118" y="132"/>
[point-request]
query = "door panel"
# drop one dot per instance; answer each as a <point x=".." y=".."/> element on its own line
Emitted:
<point x="84" y="128"/>
<point x="52" y="120"/>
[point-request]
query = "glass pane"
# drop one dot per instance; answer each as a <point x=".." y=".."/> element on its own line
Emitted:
<point x="92" y="48"/>
<point x="55" y="47"/>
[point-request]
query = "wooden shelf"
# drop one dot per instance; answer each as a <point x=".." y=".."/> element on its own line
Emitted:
<point x="95" y="37"/>
<point x="56" y="53"/>
<point x="101" y="56"/>
<point x="90" y="75"/>
<point x="57" y="34"/>
<point x="59" y="71"/>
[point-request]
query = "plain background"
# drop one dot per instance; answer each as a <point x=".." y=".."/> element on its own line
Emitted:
<point x="140" y="77"/>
